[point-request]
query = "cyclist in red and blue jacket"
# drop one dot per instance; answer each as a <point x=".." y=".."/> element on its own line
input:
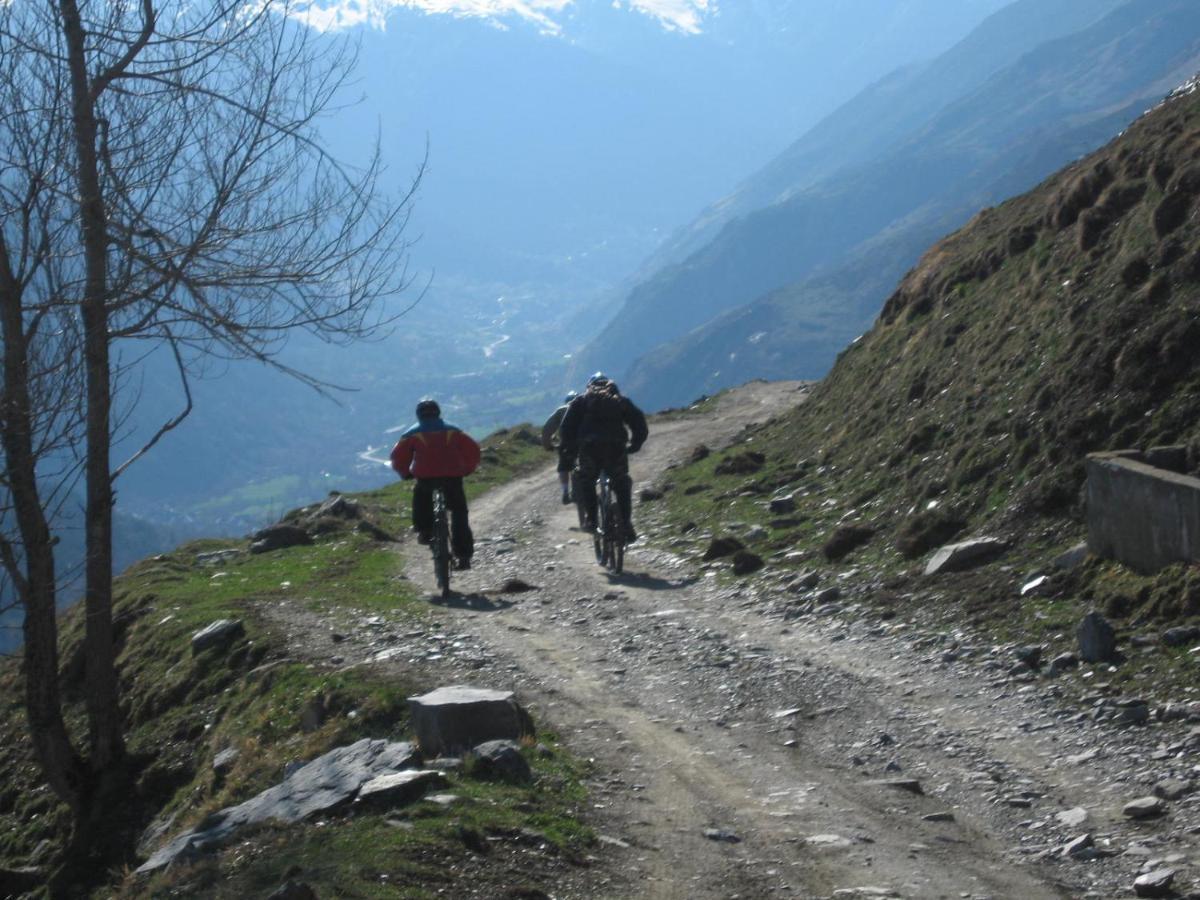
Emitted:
<point x="438" y="455"/>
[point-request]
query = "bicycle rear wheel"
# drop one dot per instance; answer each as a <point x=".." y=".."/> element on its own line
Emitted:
<point x="614" y="535"/>
<point x="441" y="545"/>
<point x="600" y="538"/>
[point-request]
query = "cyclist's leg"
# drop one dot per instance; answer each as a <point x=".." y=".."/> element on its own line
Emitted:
<point x="618" y="470"/>
<point x="422" y="509"/>
<point x="589" y="471"/>
<point x="566" y="462"/>
<point x="462" y="541"/>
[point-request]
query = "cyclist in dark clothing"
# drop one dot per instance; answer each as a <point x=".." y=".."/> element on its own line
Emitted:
<point x="552" y="441"/>
<point x="603" y="428"/>
<point x="438" y="455"/>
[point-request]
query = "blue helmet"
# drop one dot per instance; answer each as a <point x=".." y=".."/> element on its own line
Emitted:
<point x="571" y="395"/>
<point x="599" y="377"/>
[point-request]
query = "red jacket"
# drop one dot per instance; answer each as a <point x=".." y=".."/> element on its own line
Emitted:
<point x="433" y="449"/>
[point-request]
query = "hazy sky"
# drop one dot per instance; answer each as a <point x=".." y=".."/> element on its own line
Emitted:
<point x="678" y="15"/>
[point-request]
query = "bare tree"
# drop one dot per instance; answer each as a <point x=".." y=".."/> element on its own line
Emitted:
<point x="161" y="179"/>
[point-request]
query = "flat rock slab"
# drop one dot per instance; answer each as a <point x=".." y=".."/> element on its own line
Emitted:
<point x="1072" y="817"/>
<point x="459" y="717"/>
<point x="1155" y="884"/>
<point x="277" y="537"/>
<point x="399" y="788"/>
<point x="220" y="633"/>
<point x="1144" y="808"/>
<point x="965" y="555"/>
<point x="323" y="784"/>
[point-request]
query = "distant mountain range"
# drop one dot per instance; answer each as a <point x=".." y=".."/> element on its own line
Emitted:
<point x="775" y="279"/>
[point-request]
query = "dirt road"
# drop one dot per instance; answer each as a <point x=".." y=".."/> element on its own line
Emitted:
<point x="740" y="756"/>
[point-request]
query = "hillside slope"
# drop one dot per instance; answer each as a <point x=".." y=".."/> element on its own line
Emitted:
<point x="1063" y="322"/>
<point x="1043" y="110"/>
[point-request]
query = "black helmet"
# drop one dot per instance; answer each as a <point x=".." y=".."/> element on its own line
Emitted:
<point x="571" y="395"/>
<point x="428" y="408"/>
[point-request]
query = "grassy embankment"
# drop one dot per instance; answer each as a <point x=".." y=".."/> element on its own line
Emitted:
<point x="183" y="709"/>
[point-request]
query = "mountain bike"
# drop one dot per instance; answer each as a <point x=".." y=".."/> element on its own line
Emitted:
<point x="577" y="496"/>
<point x="440" y="545"/>
<point x="608" y="540"/>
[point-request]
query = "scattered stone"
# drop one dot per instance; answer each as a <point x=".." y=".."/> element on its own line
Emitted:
<point x="278" y="537"/>
<point x="722" y="546"/>
<point x="1144" y="808"/>
<point x="502" y="760"/>
<point x="756" y="533"/>
<point x="1181" y="635"/>
<point x="965" y="555"/>
<point x="1063" y="662"/>
<point x="313" y="715"/>
<point x="938" y="817"/>
<point x="293" y="890"/>
<point x="1097" y="639"/>
<point x="1037" y="587"/>
<point x="829" y="595"/>
<point x="458" y="717"/>
<point x="337" y="506"/>
<point x="1072" y="558"/>
<point x="740" y="463"/>
<point x="699" y="452"/>
<point x="1073" y="817"/>
<point x="649" y="494"/>
<point x="1155" y="884"/>
<point x="745" y="562"/>
<point x="722" y="836"/>
<point x="783" y="505"/>
<point x="1137" y="713"/>
<point x="325" y="783"/>
<point x="1174" y="788"/>
<point x="827" y="840"/>
<point x="220" y="633"/>
<point x="216" y="557"/>
<point x="845" y="540"/>
<point x="1078" y="848"/>
<point x="399" y="788"/>
<point x="909" y="785"/>
<point x="1030" y="655"/>
<point x="223" y="762"/>
<point x="805" y="581"/>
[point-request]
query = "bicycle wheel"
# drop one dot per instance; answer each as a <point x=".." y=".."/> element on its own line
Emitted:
<point x="441" y="544"/>
<point x="616" y="555"/>
<point x="600" y="534"/>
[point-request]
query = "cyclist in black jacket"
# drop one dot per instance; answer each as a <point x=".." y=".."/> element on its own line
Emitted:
<point x="603" y="428"/>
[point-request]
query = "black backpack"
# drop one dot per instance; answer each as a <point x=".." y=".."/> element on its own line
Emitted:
<point x="603" y="416"/>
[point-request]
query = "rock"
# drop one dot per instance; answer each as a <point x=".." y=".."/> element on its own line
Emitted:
<point x="1078" y="847"/>
<point x="1030" y="655"/>
<point x="938" y="817"/>
<point x="829" y="595"/>
<point x="1097" y="639"/>
<point x="1154" y="884"/>
<point x="223" y="761"/>
<point x="502" y="760"/>
<point x="649" y="494"/>
<point x="699" y="452"/>
<point x="338" y="507"/>
<point x="399" y="788"/>
<point x="745" y="562"/>
<point x="722" y="546"/>
<point x="216" y="557"/>
<point x="909" y="785"/>
<point x="1062" y="662"/>
<point x="756" y="533"/>
<point x="1037" y="587"/>
<point x="1073" y="817"/>
<point x="805" y="581"/>
<point x="1133" y="714"/>
<point x="374" y="532"/>
<point x="313" y="715"/>
<point x="1144" y="808"/>
<point x="721" y="835"/>
<point x="965" y="555"/>
<point x="325" y="783"/>
<point x="741" y="463"/>
<point x="277" y="537"/>
<point x="293" y="890"/>
<point x="783" y="505"/>
<point x="220" y="633"/>
<point x="1072" y="558"/>
<point x="845" y="540"/>
<point x="458" y="717"/>
<point x="1181" y="635"/>
<point x="1174" y="788"/>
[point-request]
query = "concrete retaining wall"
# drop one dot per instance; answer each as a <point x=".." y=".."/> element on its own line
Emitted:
<point x="1143" y="516"/>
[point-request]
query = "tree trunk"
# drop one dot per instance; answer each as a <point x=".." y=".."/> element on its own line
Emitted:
<point x="107" y="746"/>
<point x="36" y="584"/>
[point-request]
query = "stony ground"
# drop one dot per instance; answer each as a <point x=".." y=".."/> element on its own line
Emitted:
<point x="748" y="743"/>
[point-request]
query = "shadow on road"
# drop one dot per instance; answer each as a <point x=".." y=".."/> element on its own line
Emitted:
<point x="473" y="602"/>
<point x="649" y="582"/>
